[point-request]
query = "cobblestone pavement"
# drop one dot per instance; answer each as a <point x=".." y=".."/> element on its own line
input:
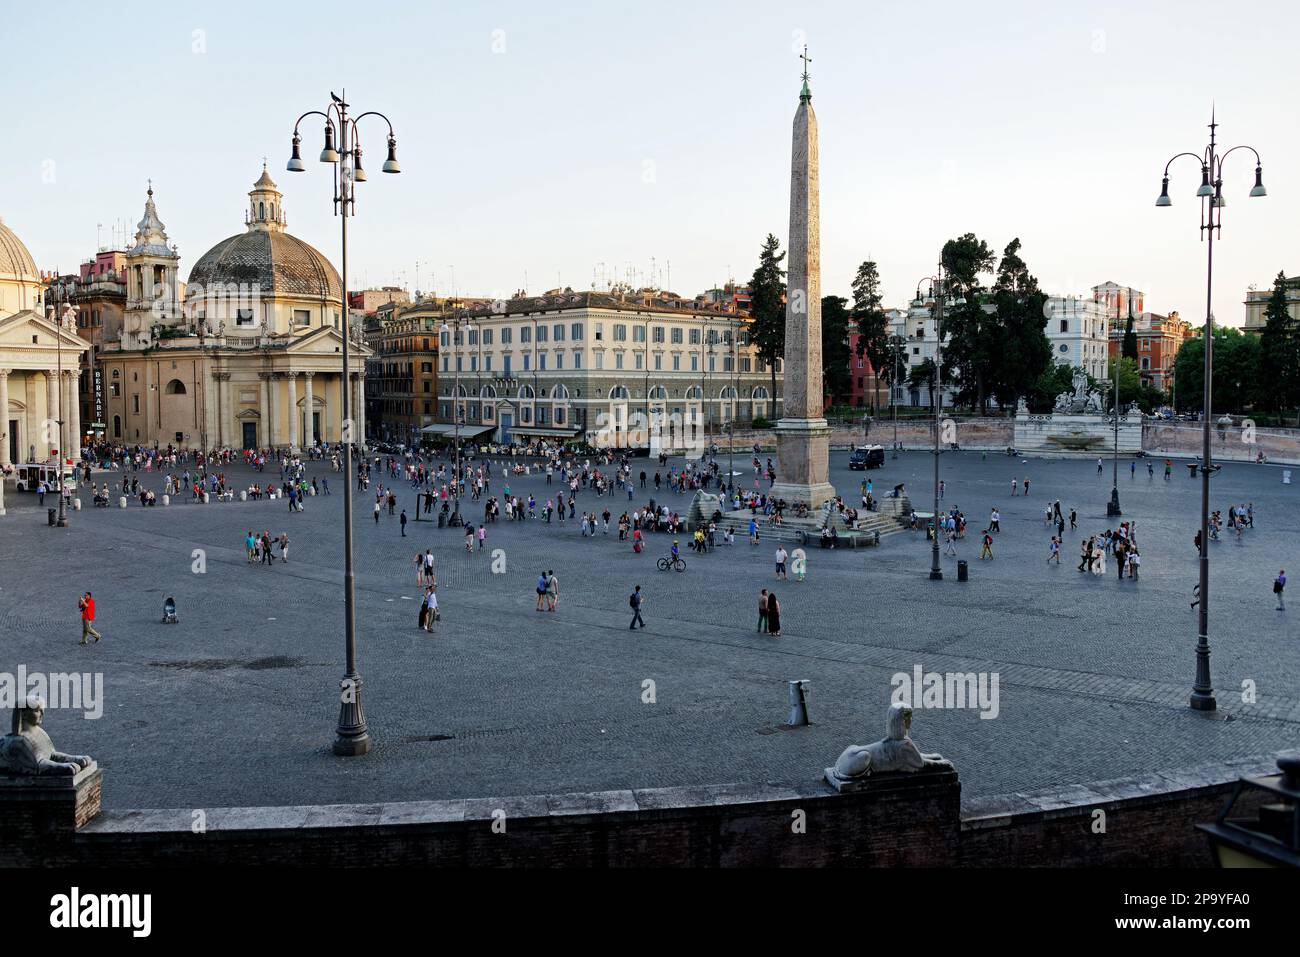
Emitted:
<point x="236" y="705"/>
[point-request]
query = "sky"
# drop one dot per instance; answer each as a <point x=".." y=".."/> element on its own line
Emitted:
<point x="573" y="142"/>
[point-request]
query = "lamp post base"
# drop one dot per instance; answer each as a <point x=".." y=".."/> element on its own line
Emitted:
<point x="1112" y="507"/>
<point x="936" y="574"/>
<point x="351" y="737"/>
<point x="1203" y="701"/>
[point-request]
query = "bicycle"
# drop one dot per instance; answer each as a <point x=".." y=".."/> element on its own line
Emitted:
<point x="664" y="564"/>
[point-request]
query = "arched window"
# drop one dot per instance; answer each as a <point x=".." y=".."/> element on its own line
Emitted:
<point x="559" y="393"/>
<point x="175" y="387"/>
<point x="694" y="392"/>
<point x="728" y="393"/>
<point x="261" y="210"/>
<point x="526" y="392"/>
<point x="658" y="392"/>
<point x="618" y="392"/>
<point x="760" y="392"/>
<point x="488" y="392"/>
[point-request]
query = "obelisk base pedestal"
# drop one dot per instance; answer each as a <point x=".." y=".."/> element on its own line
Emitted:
<point x="802" y="448"/>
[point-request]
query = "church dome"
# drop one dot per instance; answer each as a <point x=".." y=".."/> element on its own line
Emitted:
<point x="274" y="263"/>
<point x="266" y="257"/>
<point x="16" y="262"/>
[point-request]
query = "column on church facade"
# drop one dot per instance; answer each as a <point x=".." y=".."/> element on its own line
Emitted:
<point x="359" y="409"/>
<point x="4" y="420"/>
<point x="293" y="409"/>
<point x="74" y="414"/>
<point x="309" y="438"/>
<point x="264" y="409"/>
<point x="50" y="430"/>
<point x="225" y="415"/>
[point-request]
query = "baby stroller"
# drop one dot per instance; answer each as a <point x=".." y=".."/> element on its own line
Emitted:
<point x="169" y="612"/>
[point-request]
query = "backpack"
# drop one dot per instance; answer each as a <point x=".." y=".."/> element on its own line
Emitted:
<point x="631" y="601"/>
<point x="1277" y="586"/>
<point x="541" y="584"/>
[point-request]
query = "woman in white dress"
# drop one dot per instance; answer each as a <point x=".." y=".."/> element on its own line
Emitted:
<point x="1099" y="561"/>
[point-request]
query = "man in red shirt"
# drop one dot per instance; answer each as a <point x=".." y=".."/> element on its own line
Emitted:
<point x="87" y="606"/>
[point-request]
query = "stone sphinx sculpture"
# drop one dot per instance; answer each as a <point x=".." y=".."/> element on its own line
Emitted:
<point x="28" y="750"/>
<point x="895" y="753"/>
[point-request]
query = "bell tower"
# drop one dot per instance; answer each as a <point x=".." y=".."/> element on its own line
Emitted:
<point x="151" y="280"/>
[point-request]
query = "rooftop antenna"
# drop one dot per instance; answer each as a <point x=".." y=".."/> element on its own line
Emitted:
<point x="670" y="275"/>
<point x="99" y="246"/>
<point x="417" y="277"/>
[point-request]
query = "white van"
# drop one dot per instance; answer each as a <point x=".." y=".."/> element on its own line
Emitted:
<point x="29" y="476"/>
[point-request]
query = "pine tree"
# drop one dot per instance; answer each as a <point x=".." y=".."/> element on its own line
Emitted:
<point x="767" y="307"/>
<point x="872" y="323"/>
<point x="1280" y="350"/>
<point x="836" y="361"/>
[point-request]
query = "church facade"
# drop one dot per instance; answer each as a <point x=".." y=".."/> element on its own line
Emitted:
<point x="39" y="359"/>
<point x="248" y="357"/>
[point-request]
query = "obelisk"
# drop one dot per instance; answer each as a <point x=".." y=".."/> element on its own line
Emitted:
<point x="802" y="435"/>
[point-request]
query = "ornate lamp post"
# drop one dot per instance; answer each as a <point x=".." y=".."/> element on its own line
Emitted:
<point x="62" y="317"/>
<point x="936" y="395"/>
<point x="897" y="342"/>
<point x="1210" y="193"/>
<point x="1112" y="507"/>
<point x="351" y="736"/>
<point x="456" y="411"/>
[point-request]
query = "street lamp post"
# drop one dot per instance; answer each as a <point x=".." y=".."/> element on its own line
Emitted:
<point x="456" y="415"/>
<point x="351" y="735"/>
<point x="1211" y="194"/>
<point x="61" y="317"/>
<point x="897" y="342"/>
<point x="1112" y="507"/>
<point x="936" y="573"/>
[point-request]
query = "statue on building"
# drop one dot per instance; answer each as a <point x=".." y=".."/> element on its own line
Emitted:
<point x="28" y="750"/>
<point x="895" y="752"/>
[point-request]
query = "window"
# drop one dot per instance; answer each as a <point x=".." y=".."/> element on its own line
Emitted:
<point x="541" y="415"/>
<point x="1065" y="325"/>
<point x="695" y="363"/>
<point x="657" y="333"/>
<point x="744" y="364"/>
<point x="115" y="388"/>
<point x="559" y="415"/>
<point x="135" y="403"/>
<point x="600" y="360"/>
<point x="527" y="357"/>
<point x="506" y="362"/>
<point x="618" y="360"/>
<point x="244" y="317"/>
<point x="676" y="337"/>
<point x="426" y="343"/>
<point x="557" y="332"/>
<point x="302" y="317"/>
<point x="600" y="331"/>
<point x="1146" y="362"/>
<point x="175" y="387"/>
<point x="559" y="361"/>
<point x="575" y="332"/>
<point x="526" y="334"/>
<point x="577" y="360"/>
<point x="677" y="362"/>
<point x="506" y="335"/>
<point x="487" y="337"/>
<point x="541" y="362"/>
<point x="473" y="337"/>
<point x="473" y="363"/>
<point x="526" y="414"/>
<point x="727" y="363"/>
<point x="445" y="339"/>
<point x="426" y="366"/>
<point x="1064" y="347"/>
<point x="659" y="362"/>
<point x="446" y="364"/>
<point x="487" y="363"/>
<point x="426" y="386"/>
<point x="695" y="337"/>
<point x="541" y="333"/>
<point x="620" y="332"/>
<point x="638" y="333"/>
<point x="638" y="360"/>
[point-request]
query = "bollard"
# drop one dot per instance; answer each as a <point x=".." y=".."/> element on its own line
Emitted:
<point x="1286" y="476"/>
<point x="52" y="513"/>
<point x="311" y="490"/>
<point x="963" y="570"/>
<point x="167" y="499"/>
<point x="798" y="703"/>
<point x="121" y="502"/>
<point x="205" y="498"/>
<point x="76" y="505"/>
<point x="243" y="496"/>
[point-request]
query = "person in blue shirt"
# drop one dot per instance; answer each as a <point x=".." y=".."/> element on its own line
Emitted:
<point x="675" y="551"/>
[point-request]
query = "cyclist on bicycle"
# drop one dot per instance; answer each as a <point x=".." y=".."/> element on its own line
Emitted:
<point x="674" y="551"/>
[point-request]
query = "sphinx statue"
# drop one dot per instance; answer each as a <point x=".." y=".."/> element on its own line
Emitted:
<point x="896" y="752"/>
<point x="28" y="750"/>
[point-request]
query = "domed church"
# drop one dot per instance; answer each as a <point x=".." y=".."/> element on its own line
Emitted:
<point x="249" y="355"/>
<point x="34" y="348"/>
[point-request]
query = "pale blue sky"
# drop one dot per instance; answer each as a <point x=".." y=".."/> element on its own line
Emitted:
<point x="619" y="132"/>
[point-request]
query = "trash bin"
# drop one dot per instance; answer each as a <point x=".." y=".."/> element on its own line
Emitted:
<point x="963" y="571"/>
<point x="53" y="512"/>
<point x="442" y="519"/>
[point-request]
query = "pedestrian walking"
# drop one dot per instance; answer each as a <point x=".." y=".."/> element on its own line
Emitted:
<point x="1054" y="551"/>
<point x="403" y="520"/>
<point x="987" y="550"/>
<point x="636" y="600"/>
<point x="552" y="590"/>
<point x="1074" y="524"/>
<point x="1279" y="587"/>
<point x="762" y="611"/>
<point x="86" y="603"/>
<point x="773" y="615"/>
<point x="780" y="561"/>
<point x="541" y="591"/>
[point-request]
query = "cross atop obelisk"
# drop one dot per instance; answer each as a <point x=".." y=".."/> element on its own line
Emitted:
<point x="802" y="433"/>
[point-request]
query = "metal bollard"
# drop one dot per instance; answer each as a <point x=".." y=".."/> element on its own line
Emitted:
<point x="76" y="505"/>
<point x="798" y="702"/>
<point x="121" y="502"/>
<point x="1286" y="476"/>
<point x="167" y="499"/>
<point x="963" y="571"/>
<point x="243" y="496"/>
<point x="206" y="499"/>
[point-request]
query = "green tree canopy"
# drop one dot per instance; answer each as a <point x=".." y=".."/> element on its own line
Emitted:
<point x="1279" y="345"/>
<point x="767" y="306"/>
<point x="836" y="369"/>
<point x="1237" y="380"/>
<point x="872" y="323"/>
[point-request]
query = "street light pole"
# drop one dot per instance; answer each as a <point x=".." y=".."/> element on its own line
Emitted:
<point x="897" y="342"/>
<point x="936" y="573"/>
<point x="59" y="318"/>
<point x="1211" y="195"/>
<point x="1112" y="507"/>
<point x="352" y="737"/>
